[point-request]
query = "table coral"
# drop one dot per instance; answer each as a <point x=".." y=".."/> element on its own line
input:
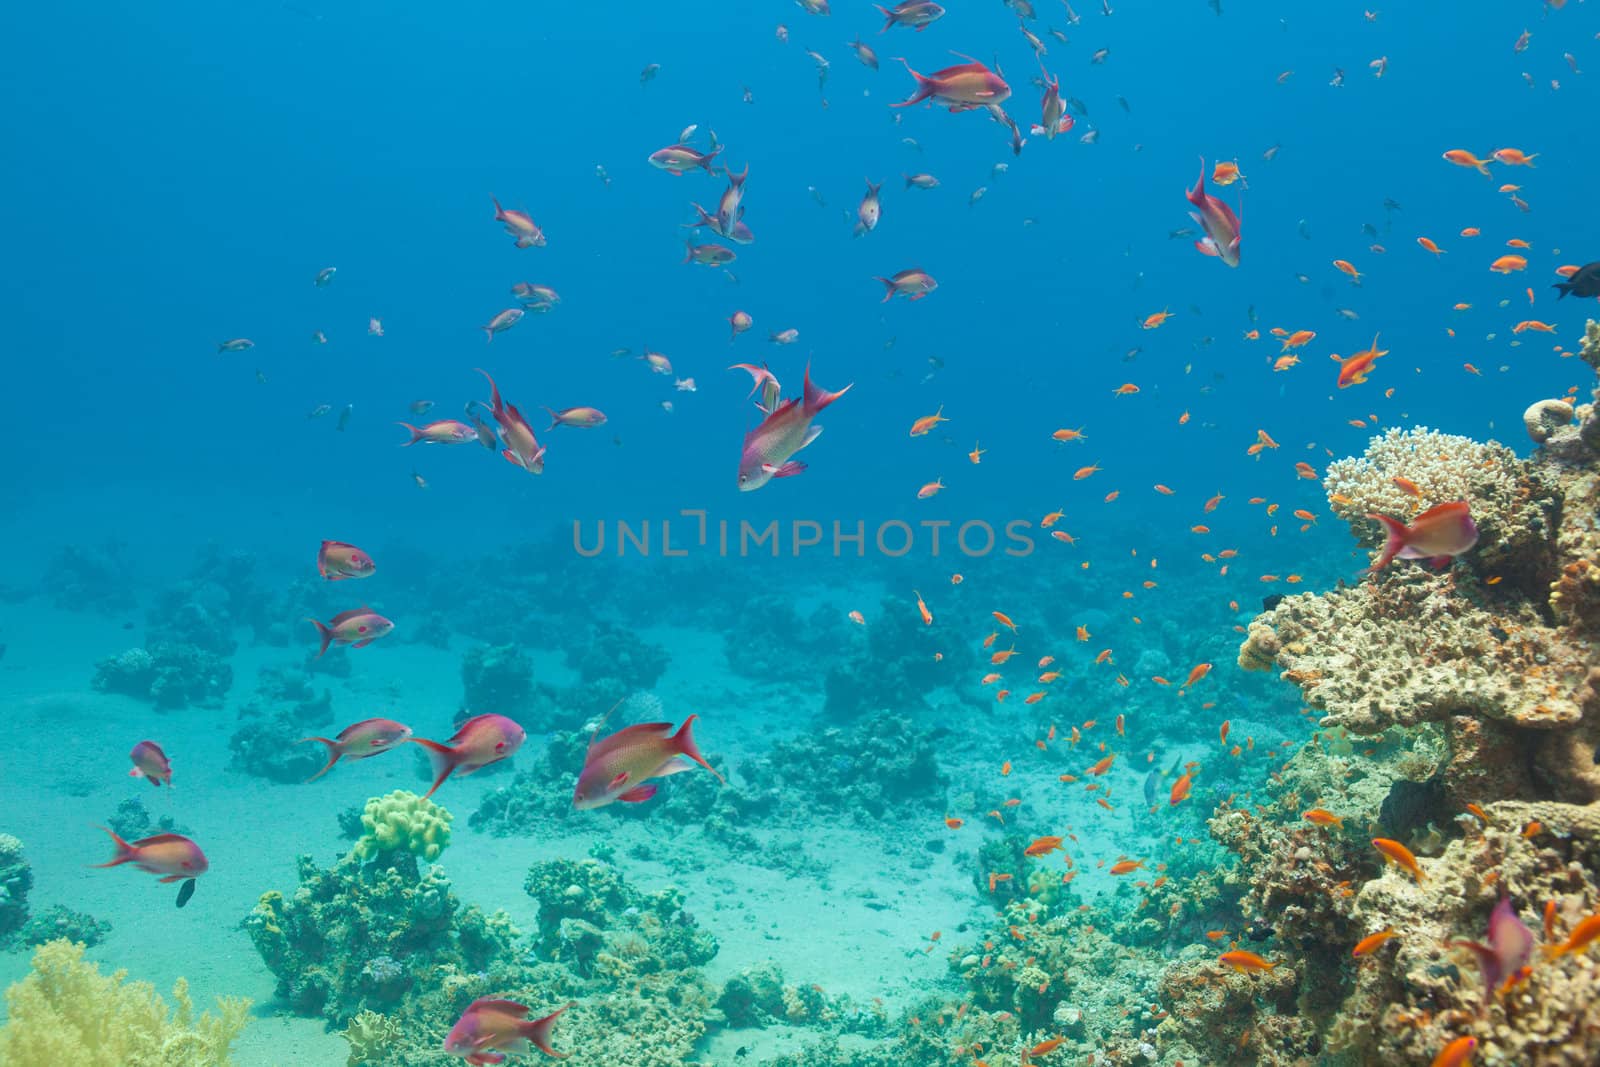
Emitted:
<point x="67" y="1012"/>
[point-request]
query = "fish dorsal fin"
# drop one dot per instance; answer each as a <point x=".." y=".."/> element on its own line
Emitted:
<point x="601" y="724"/>
<point x="160" y="839"/>
<point x="629" y="735"/>
<point x="510" y="1007"/>
<point x="346" y="616"/>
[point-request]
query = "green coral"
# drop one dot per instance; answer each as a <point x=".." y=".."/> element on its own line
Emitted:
<point x="403" y="822"/>
<point x="66" y="1011"/>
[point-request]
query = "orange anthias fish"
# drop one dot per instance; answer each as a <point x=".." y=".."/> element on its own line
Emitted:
<point x="1513" y="157"/>
<point x="963" y="87"/>
<point x="1103" y="766"/>
<point x="1400" y="856"/>
<point x="1462" y="158"/>
<point x="489" y="1028"/>
<point x="1245" y="962"/>
<point x="1321" y="817"/>
<point x="1370" y="944"/>
<point x="1180" y="790"/>
<point x="1581" y="937"/>
<point x="618" y="767"/>
<point x="1222" y="227"/>
<point x="151" y="764"/>
<point x="1507" y="264"/>
<point x="1441" y="532"/>
<point x="928" y="422"/>
<point x="519" y="225"/>
<point x="922" y="609"/>
<point x="1155" y="319"/>
<point x="769" y="448"/>
<point x="1298" y="339"/>
<point x="172" y="856"/>
<point x="337" y="561"/>
<point x="1457" y="1053"/>
<point x="1199" y="672"/>
<point x="1126" y="866"/>
<point x="1226" y="173"/>
<point x="369" y="737"/>
<point x="1353" y="369"/>
<point x="522" y="447"/>
<point x="1043" y="846"/>
<point x="481" y="740"/>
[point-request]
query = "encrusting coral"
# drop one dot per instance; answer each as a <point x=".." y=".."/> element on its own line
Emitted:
<point x="66" y="1012"/>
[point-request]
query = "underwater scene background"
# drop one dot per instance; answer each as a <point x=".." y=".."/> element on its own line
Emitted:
<point x="1065" y="702"/>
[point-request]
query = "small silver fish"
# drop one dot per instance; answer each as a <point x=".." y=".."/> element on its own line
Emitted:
<point x="325" y="276"/>
<point x="344" y="417"/>
<point x="977" y="194"/>
<point x="319" y="411"/>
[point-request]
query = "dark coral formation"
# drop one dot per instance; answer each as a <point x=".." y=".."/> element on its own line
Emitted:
<point x="16" y="878"/>
<point x="894" y="659"/>
<point x="167" y="675"/>
<point x="497" y="679"/>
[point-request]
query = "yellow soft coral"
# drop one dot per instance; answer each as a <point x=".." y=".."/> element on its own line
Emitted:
<point x="67" y="1012"/>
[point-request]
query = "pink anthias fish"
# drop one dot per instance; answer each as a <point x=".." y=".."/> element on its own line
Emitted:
<point x="964" y="87"/>
<point x="337" y="561"/>
<point x="150" y="763"/>
<point x="729" y="210"/>
<point x="618" y="767"/>
<point x="172" y="856"/>
<point x="522" y="447"/>
<point x="1510" y="945"/>
<point x="519" y="225"/>
<point x="358" y="628"/>
<point x="1217" y="219"/>
<point x="1443" y="531"/>
<point x="707" y="255"/>
<point x="769" y="448"/>
<point x="582" y="417"/>
<point x="918" y="14"/>
<point x="369" y="737"/>
<point x="911" y="284"/>
<point x="739" y="235"/>
<point x="1054" y="118"/>
<point x="443" y="432"/>
<point x="490" y="1028"/>
<point x="481" y="740"/>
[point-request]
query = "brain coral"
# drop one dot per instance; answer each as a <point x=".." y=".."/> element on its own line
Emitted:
<point x="404" y="822"/>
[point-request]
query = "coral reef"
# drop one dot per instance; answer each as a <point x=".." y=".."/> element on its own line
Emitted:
<point x="66" y="1011"/>
<point x="895" y="659"/>
<point x="16" y="878"/>
<point x="613" y="662"/>
<point x="267" y="749"/>
<point x="58" y="922"/>
<point x="498" y="679"/>
<point x="168" y="675"/>
<point x="373" y="1038"/>
<point x="878" y="767"/>
<point x="85" y="579"/>
<point x="132" y="821"/>
<point x="403" y="822"/>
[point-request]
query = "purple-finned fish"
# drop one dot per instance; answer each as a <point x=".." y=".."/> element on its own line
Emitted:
<point x="502" y="322"/>
<point x="150" y="763"/>
<point x="963" y="87"/>
<point x="522" y="447"/>
<point x="679" y="159"/>
<point x="911" y="284"/>
<point x="728" y="208"/>
<point x="1217" y="219"/>
<point x="358" y="628"/>
<point x="172" y="856"/>
<point x="369" y="737"/>
<point x="520" y="225"/>
<point x="707" y="255"/>
<point x="1443" y="531"/>
<point x="618" y="767"/>
<point x="490" y="1028"/>
<point x="581" y="417"/>
<point x="769" y="448"/>
<point x="917" y="14"/>
<point x="443" y="432"/>
<point x="740" y="234"/>
<point x="1510" y="945"/>
<point x="481" y="740"/>
<point x="869" y="211"/>
<point x="337" y="561"/>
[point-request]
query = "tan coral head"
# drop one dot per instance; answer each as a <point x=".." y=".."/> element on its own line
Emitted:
<point x="1545" y="417"/>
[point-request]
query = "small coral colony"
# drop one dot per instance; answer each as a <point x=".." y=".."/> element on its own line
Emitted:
<point x="1453" y="786"/>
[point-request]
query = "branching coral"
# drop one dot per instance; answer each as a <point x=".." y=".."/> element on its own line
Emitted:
<point x="66" y="1011"/>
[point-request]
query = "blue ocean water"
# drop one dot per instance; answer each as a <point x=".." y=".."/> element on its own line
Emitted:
<point x="179" y="173"/>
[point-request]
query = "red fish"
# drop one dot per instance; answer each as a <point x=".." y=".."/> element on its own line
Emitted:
<point x="369" y="737"/>
<point x="618" y="767"/>
<point x="769" y="448"/>
<point x="1353" y="370"/>
<point x="1510" y="945"/>
<point x="1217" y="219"/>
<point x="358" y="628"/>
<point x="151" y="763"/>
<point x="1054" y="118"/>
<point x="1443" y="531"/>
<point x="522" y="447"/>
<point x="490" y="1028"/>
<point x="964" y="87"/>
<point x="337" y="561"/>
<point x="481" y="740"/>
<point x="172" y="856"/>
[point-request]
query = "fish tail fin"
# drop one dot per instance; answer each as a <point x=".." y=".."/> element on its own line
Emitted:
<point x="888" y="21"/>
<point x="816" y="398"/>
<point x="688" y="250"/>
<point x="416" y="435"/>
<point x="124" y="853"/>
<point x="889" y="286"/>
<point x="705" y="161"/>
<point x="333" y="754"/>
<point x="537" y="1031"/>
<point x="1565" y="287"/>
<point x="924" y="86"/>
<point x="683" y="740"/>
<point x="441" y="760"/>
<point x="555" y="420"/>
<point x="326" y="633"/>
<point x="1396" y="531"/>
<point x="496" y="406"/>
